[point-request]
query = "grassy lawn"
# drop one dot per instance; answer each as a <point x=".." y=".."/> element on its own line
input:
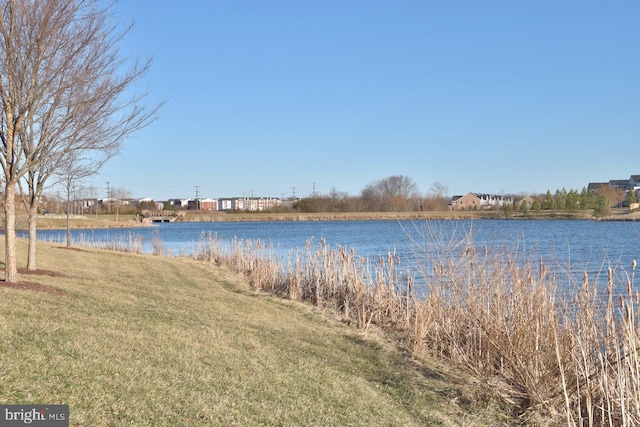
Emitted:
<point x="144" y="340"/>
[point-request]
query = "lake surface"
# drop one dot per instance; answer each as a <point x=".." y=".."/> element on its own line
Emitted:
<point x="573" y="246"/>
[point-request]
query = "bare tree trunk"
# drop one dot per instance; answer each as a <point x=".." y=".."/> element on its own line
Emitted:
<point x="68" y="220"/>
<point x="11" y="268"/>
<point x="33" y="228"/>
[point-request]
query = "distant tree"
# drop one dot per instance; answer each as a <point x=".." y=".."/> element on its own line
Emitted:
<point x="338" y="201"/>
<point x="586" y="199"/>
<point x="70" y="172"/>
<point x="572" y="201"/>
<point x="438" y="190"/>
<point x="560" y="198"/>
<point x="507" y="210"/>
<point x="437" y="199"/>
<point x="614" y="195"/>
<point x="550" y="201"/>
<point x="147" y="206"/>
<point x="632" y="197"/>
<point x="335" y="201"/>
<point x="306" y="205"/>
<point x="395" y="193"/>
<point x="601" y="206"/>
<point x="536" y="207"/>
<point x="118" y="199"/>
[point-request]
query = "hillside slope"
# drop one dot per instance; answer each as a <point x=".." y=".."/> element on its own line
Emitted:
<point x="143" y="340"/>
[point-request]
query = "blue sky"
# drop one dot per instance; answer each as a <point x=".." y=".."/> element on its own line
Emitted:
<point x="487" y="96"/>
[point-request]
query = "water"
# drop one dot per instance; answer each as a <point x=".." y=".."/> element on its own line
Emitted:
<point x="573" y="246"/>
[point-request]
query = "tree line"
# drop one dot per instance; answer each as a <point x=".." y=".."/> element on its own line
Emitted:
<point x="397" y="193"/>
<point x="400" y="193"/>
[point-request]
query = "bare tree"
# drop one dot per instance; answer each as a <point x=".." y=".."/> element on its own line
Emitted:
<point x="614" y="195"/>
<point x="117" y="199"/>
<point x="69" y="173"/>
<point x="437" y="198"/>
<point x="395" y="193"/>
<point x="64" y="88"/>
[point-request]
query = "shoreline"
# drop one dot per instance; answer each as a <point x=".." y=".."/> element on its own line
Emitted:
<point x="48" y="221"/>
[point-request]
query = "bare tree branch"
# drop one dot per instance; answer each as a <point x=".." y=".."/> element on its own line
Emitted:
<point x="67" y="96"/>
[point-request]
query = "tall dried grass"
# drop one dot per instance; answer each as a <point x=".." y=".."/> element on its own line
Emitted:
<point x="131" y="243"/>
<point x="546" y="359"/>
<point x="547" y="356"/>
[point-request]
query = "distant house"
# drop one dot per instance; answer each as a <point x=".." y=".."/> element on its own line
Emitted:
<point x="256" y="203"/>
<point x="595" y="187"/>
<point x="228" y="203"/>
<point x="205" y="204"/>
<point x="475" y="201"/>
<point x="634" y="184"/>
<point x="208" y="204"/>
<point x="622" y="184"/>
<point x="464" y="203"/>
<point x="225" y="204"/>
<point x="179" y="203"/>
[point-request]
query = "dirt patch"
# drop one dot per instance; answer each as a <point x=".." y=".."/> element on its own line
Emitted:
<point x="31" y="286"/>
<point x="71" y="248"/>
<point x="40" y="272"/>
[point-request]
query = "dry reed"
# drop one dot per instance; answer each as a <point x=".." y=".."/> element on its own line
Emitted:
<point x="547" y="359"/>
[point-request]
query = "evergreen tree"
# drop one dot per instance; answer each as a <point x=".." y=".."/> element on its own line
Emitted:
<point x="536" y="207"/>
<point x="550" y="202"/>
<point x="586" y="199"/>
<point x="572" y="201"/>
<point x="560" y="198"/>
<point x="601" y="206"/>
<point x="507" y="210"/>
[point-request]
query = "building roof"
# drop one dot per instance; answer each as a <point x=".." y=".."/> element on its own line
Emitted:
<point x="619" y="182"/>
<point x="596" y="185"/>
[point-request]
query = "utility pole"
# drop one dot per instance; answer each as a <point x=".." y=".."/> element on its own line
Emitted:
<point x="108" y="198"/>
<point x="197" y="198"/>
<point x="94" y="199"/>
<point x="293" y="193"/>
<point x="313" y="192"/>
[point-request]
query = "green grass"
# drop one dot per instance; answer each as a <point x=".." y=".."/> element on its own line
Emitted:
<point x="144" y="340"/>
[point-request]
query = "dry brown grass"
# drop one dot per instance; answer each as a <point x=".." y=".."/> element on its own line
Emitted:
<point x="373" y="216"/>
<point x="145" y="340"/>
<point x="546" y="360"/>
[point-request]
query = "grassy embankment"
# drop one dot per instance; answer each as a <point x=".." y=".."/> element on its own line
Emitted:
<point x="79" y="221"/>
<point x="144" y="340"/>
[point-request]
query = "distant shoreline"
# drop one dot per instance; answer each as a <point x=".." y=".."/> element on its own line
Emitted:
<point x="617" y="215"/>
<point x="132" y="221"/>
